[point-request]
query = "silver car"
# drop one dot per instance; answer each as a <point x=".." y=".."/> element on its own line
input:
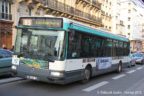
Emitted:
<point x="132" y="60"/>
<point x="139" y="58"/>
<point x="5" y="61"/>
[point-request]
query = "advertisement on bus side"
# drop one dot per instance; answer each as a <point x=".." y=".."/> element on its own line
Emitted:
<point x="104" y="63"/>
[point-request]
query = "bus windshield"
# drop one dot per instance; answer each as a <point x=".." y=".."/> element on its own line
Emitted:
<point x="40" y="44"/>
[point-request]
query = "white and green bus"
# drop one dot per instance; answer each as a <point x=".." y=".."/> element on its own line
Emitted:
<point x="60" y="50"/>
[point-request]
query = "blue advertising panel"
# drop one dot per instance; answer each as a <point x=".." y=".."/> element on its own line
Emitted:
<point x="104" y="63"/>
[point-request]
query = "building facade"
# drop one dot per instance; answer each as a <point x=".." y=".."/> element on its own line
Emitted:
<point x="85" y="11"/>
<point x="107" y="14"/>
<point x="117" y="22"/>
<point x="132" y="16"/>
<point x="5" y="24"/>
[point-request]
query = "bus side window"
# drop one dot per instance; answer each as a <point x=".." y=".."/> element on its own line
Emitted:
<point x="92" y="47"/>
<point x="120" y="48"/>
<point x="85" y="46"/>
<point x="126" y="49"/>
<point x="74" y="45"/>
<point x="109" y="48"/>
<point x="115" y="46"/>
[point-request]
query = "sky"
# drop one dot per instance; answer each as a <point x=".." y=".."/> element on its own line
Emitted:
<point x="137" y="2"/>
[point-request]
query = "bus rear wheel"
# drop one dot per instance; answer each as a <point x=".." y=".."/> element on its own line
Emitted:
<point x="119" y="69"/>
<point x="86" y="75"/>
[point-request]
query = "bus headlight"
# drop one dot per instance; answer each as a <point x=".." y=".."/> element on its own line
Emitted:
<point x="56" y="74"/>
<point x="14" y="67"/>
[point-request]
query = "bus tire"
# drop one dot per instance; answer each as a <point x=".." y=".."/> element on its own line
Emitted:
<point x="142" y="62"/>
<point x="129" y="66"/>
<point x="119" y="69"/>
<point x="86" y="75"/>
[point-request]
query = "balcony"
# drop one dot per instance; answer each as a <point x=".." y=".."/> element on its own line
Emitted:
<point x="59" y="8"/>
<point x="5" y="16"/>
<point x="93" y="3"/>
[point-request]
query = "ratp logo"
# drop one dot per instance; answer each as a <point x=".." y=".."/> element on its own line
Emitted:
<point x="15" y="61"/>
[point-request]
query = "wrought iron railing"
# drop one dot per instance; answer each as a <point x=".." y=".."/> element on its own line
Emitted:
<point x="5" y="16"/>
<point x="96" y="3"/>
<point x="54" y="4"/>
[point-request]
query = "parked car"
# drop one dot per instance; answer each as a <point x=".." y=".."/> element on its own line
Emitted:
<point x="5" y="61"/>
<point x="139" y="58"/>
<point x="132" y="60"/>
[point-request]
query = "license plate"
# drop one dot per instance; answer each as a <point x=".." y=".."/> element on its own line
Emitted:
<point x="32" y="77"/>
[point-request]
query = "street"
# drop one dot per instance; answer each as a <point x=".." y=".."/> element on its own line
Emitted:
<point x="128" y="83"/>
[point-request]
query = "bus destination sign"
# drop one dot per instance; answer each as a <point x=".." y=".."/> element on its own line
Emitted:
<point x="41" y="22"/>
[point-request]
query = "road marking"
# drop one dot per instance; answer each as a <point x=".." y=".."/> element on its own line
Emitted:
<point x="139" y="68"/>
<point x="119" y="76"/>
<point x="95" y="86"/>
<point x="8" y="80"/>
<point x="131" y="71"/>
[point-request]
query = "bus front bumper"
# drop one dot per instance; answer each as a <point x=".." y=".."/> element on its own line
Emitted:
<point x="45" y="75"/>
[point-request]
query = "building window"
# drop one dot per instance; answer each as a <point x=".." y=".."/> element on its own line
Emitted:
<point x="6" y="7"/>
<point x="5" y="10"/>
<point x="128" y="26"/>
<point x="129" y="18"/>
<point x="9" y="8"/>
<point x="29" y="11"/>
<point x="110" y="28"/>
<point x="110" y="3"/>
<point x="3" y="6"/>
<point x="121" y="22"/>
<point x="129" y="11"/>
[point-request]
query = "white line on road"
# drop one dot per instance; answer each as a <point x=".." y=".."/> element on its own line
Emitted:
<point x="131" y="71"/>
<point x="119" y="76"/>
<point x="139" y="68"/>
<point x="95" y="86"/>
<point x="10" y="80"/>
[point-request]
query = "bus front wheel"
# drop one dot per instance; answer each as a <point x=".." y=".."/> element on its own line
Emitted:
<point x="86" y="75"/>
